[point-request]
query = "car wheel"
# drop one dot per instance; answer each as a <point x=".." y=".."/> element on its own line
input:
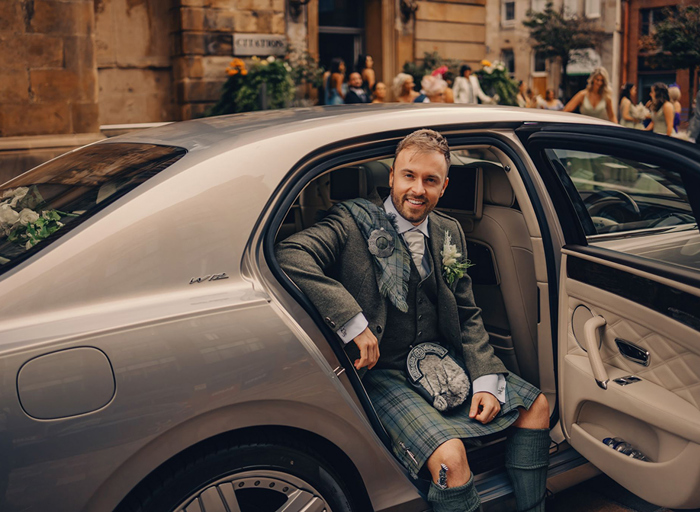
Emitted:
<point x="258" y="477"/>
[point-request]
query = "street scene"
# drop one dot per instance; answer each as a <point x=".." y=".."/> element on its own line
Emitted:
<point x="349" y="255"/>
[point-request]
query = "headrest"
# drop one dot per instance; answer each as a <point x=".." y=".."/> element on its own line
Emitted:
<point x="497" y="189"/>
<point x="359" y="181"/>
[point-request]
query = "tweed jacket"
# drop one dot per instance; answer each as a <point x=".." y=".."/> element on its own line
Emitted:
<point x="331" y="264"/>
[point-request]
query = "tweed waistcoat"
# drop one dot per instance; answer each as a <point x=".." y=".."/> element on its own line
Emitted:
<point x="418" y="325"/>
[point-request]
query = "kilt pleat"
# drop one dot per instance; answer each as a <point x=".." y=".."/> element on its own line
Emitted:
<point x="416" y="428"/>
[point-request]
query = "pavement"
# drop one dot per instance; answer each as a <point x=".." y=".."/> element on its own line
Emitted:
<point x="601" y="494"/>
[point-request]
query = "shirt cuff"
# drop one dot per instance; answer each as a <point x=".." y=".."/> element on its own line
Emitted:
<point x="494" y="383"/>
<point x="353" y="328"/>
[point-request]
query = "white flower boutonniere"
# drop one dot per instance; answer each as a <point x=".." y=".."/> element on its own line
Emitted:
<point x="453" y="267"/>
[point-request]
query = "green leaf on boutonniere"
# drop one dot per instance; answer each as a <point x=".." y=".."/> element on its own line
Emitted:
<point x="453" y="264"/>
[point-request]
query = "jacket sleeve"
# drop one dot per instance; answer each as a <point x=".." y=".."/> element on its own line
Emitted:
<point x="478" y="353"/>
<point x="477" y="88"/>
<point x="307" y="256"/>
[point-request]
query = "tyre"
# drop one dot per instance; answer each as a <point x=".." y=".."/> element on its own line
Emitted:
<point x="255" y="477"/>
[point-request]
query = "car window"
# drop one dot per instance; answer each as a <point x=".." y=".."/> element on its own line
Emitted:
<point x="45" y="203"/>
<point x="630" y="206"/>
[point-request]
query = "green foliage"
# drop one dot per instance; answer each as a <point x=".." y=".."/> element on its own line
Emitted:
<point x="243" y="90"/>
<point x="675" y="41"/>
<point x="556" y="35"/>
<point x="494" y="79"/>
<point x="34" y="232"/>
<point x="430" y="62"/>
<point x="305" y="69"/>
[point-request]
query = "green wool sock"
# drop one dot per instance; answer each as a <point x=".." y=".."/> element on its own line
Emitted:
<point x="527" y="460"/>
<point x="464" y="498"/>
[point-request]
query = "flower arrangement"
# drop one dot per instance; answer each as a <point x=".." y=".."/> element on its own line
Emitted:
<point x="453" y="267"/>
<point x="21" y="219"/>
<point x="495" y="80"/>
<point x="639" y="111"/>
<point x="235" y="67"/>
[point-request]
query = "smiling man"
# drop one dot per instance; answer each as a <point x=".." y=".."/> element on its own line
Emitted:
<point x="390" y="273"/>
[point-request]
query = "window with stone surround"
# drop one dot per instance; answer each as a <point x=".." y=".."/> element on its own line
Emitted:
<point x="593" y="8"/>
<point x="508" y="14"/>
<point x="508" y="59"/>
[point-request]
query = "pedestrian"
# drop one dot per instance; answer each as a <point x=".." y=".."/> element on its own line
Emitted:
<point x="661" y="110"/>
<point x="333" y="86"/>
<point x="628" y="95"/>
<point x="432" y="90"/>
<point x="596" y="99"/>
<point x="694" y="125"/>
<point x="365" y="66"/>
<point x="523" y="95"/>
<point x="403" y="88"/>
<point x="356" y="94"/>
<point x="379" y="92"/>
<point x="674" y="94"/>
<point x="550" y="102"/>
<point x="410" y="299"/>
<point x="467" y="89"/>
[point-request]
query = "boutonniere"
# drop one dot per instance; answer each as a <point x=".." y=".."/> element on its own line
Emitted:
<point x="453" y="266"/>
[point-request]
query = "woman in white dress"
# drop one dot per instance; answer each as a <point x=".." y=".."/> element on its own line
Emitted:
<point x="661" y="110"/>
<point x="628" y="95"/>
<point x="596" y="99"/>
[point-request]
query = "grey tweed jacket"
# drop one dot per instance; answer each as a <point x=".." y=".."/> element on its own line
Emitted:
<point x="331" y="264"/>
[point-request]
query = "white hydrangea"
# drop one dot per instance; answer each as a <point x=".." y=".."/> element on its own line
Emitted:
<point x="27" y="216"/>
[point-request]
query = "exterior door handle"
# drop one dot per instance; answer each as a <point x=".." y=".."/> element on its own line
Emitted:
<point x="590" y="334"/>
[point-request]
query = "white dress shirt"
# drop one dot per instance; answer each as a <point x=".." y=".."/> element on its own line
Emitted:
<point x="492" y="383"/>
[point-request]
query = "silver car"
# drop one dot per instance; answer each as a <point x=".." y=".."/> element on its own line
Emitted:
<point x="154" y="357"/>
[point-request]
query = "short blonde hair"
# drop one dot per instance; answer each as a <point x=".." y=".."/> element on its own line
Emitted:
<point x="424" y="141"/>
<point x="674" y="93"/>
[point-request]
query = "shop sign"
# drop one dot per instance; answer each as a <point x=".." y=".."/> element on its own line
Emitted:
<point x="259" y="44"/>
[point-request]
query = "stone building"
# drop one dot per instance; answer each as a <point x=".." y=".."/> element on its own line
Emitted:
<point x="70" y="67"/>
<point x="507" y="39"/>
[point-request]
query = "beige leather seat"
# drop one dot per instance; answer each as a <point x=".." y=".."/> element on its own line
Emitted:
<point x="508" y="293"/>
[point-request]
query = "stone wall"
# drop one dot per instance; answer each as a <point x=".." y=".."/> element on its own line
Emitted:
<point x="133" y="46"/>
<point x="48" y="79"/>
<point x="203" y="44"/>
<point x="455" y="29"/>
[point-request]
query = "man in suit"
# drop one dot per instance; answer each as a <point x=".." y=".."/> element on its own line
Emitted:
<point x="346" y="279"/>
<point x="356" y="94"/>
<point x="467" y="89"/>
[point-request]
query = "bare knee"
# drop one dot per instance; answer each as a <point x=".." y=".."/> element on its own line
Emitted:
<point x="453" y="455"/>
<point x="535" y="417"/>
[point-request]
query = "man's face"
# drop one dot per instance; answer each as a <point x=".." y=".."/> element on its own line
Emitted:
<point x="418" y="179"/>
<point x="355" y="80"/>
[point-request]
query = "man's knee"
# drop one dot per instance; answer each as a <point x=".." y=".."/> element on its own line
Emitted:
<point x="453" y="455"/>
<point x="537" y="416"/>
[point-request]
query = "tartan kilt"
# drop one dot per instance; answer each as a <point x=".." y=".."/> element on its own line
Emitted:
<point x="416" y="428"/>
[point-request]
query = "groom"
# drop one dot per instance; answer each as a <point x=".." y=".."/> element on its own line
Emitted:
<point x="349" y="279"/>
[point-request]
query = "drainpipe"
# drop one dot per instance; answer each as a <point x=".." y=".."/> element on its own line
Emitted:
<point x="625" y="42"/>
<point x="617" y="57"/>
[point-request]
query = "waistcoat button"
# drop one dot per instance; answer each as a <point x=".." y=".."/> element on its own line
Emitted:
<point x="379" y="329"/>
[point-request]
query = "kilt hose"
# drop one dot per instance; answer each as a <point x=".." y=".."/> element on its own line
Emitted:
<point x="416" y="428"/>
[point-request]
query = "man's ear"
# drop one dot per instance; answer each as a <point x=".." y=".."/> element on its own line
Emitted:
<point x="447" y="180"/>
<point x="391" y="176"/>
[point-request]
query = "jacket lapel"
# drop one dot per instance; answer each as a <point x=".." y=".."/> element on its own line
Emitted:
<point x="448" y="315"/>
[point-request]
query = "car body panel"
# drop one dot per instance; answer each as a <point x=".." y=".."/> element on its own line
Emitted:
<point x="195" y="357"/>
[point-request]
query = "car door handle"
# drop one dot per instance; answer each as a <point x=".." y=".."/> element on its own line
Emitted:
<point x="590" y="334"/>
<point x="633" y="352"/>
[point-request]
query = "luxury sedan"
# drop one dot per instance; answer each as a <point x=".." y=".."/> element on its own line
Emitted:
<point x="154" y="356"/>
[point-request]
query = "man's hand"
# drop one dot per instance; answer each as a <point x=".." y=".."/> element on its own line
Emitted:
<point x="369" y="349"/>
<point x="485" y="407"/>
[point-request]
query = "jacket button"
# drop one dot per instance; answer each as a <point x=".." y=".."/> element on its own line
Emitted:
<point x="379" y="329"/>
<point x="420" y="333"/>
<point x="330" y="322"/>
<point x="420" y="317"/>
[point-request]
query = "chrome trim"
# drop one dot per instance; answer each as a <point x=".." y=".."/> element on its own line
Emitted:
<point x="602" y="384"/>
<point x="643" y="358"/>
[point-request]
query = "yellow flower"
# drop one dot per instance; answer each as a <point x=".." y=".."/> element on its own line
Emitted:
<point x="486" y="63"/>
<point x="244" y="72"/>
<point x="231" y="72"/>
<point x="237" y="62"/>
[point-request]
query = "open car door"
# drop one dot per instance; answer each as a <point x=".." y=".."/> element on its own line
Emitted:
<point x="628" y="329"/>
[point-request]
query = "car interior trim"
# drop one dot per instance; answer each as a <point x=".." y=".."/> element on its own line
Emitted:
<point x="659" y="297"/>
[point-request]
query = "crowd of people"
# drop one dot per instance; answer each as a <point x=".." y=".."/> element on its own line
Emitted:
<point x="660" y="114"/>
<point x="362" y="87"/>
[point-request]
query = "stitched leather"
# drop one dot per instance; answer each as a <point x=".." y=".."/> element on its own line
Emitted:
<point x="673" y="366"/>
